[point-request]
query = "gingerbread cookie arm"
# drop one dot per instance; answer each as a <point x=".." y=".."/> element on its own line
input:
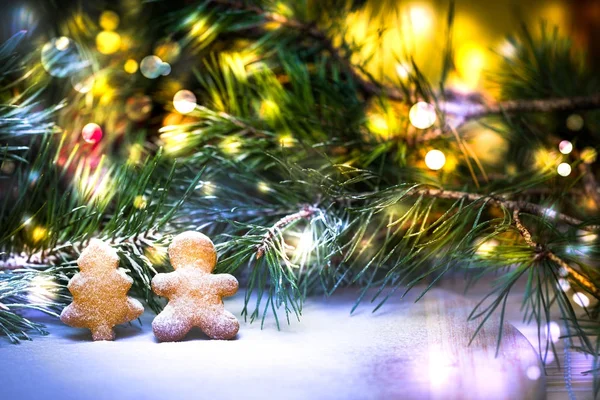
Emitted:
<point x="226" y="284"/>
<point x="165" y="285"/>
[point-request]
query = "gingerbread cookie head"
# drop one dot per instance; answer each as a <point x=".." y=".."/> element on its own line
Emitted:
<point x="98" y="256"/>
<point x="193" y="249"/>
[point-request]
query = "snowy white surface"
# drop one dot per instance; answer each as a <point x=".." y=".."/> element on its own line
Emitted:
<point x="393" y="353"/>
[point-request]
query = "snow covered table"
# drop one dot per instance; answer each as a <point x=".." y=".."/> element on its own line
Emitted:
<point x="404" y="350"/>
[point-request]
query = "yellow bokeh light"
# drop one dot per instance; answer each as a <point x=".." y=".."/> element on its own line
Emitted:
<point x="231" y="145"/>
<point x="62" y="43"/>
<point x="589" y="155"/>
<point x="487" y="248"/>
<point x="421" y="19"/>
<point x="109" y="20"/>
<point x="131" y="66"/>
<point x="435" y="160"/>
<point x="286" y="141"/>
<point x="470" y="61"/>
<point x="140" y="202"/>
<point x="38" y="234"/>
<point x="135" y="154"/>
<point x="108" y="42"/>
<point x="545" y="159"/>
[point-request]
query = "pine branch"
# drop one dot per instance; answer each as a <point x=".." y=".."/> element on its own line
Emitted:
<point x="542" y="252"/>
<point x="532" y="208"/>
<point x="307" y="212"/>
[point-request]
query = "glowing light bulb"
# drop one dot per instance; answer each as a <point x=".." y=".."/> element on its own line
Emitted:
<point x="184" y="101"/>
<point x="563" y="169"/>
<point x="435" y="160"/>
<point x="131" y="66"/>
<point x="109" y="20"/>
<point x="91" y="133"/>
<point x="108" y="42"/>
<point x="565" y="147"/>
<point x="581" y="299"/>
<point x="422" y="115"/>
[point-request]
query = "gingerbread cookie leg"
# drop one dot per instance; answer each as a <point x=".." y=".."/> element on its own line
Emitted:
<point x="103" y="332"/>
<point x="170" y="326"/>
<point x="219" y="324"/>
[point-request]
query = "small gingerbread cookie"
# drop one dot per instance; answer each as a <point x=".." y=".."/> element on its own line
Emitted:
<point x="195" y="295"/>
<point x="100" y="293"/>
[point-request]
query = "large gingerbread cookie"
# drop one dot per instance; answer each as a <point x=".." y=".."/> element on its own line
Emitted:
<point x="100" y="293"/>
<point x="195" y="295"/>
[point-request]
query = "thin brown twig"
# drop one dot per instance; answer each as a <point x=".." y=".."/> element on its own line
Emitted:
<point x="572" y="273"/>
<point x="305" y="213"/>
<point x="531" y="208"/>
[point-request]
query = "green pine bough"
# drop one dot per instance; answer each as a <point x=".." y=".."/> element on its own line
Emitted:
<point x="279" y="165"/>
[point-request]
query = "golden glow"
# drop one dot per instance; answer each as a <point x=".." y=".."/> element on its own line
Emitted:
<point x="108" y="42"/>
<point x="156" y="254"/>
<point x="135" y="154"/>
<point x="421" y="18"/>
<point x="545" y="159"/>
<point x="422" y="115"/>
<point x="435" y="160"/>
<point x="131" y="66"/>
<point x="269" y="110"/>
<point x="470" y="60"/>
<point x="487" y="247"/>
<point x="564" y="169"/>
<point x="286" y="141"/>
<point x="38" y="234"/>
<point x="174" y="142"/>
<point x="403" y="71"/>
<point x="109" y="20"/>
<point x="589" y="155"/>
<point x="140" y="202"/>
<point x="231" y="145"/>
<point x="184" y="101"/>
<point x="378" y="125"/>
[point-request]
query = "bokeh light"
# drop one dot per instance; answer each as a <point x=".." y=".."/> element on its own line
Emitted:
<point x="581" y="299"/>
<point x="422" y="115"/>
<point x="108" y="42"/>
<point x="83" y="80"/>
<point x="563" y="169"/>
<point x="152" y="67"/>
<point x="575" y="122"/>
<point x="435" y="160"/>
<point x="184" y="101"/>
<point x="92" y="133"/>
<point x="565" y="147"/>
<point x="131" y="66"/>
<point x="589" y="155"/>
<point x="109" y="20"/>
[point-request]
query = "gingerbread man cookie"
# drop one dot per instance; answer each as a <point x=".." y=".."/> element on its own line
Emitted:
<point x="100" y="293"/>
<point x="195" y="295"/>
